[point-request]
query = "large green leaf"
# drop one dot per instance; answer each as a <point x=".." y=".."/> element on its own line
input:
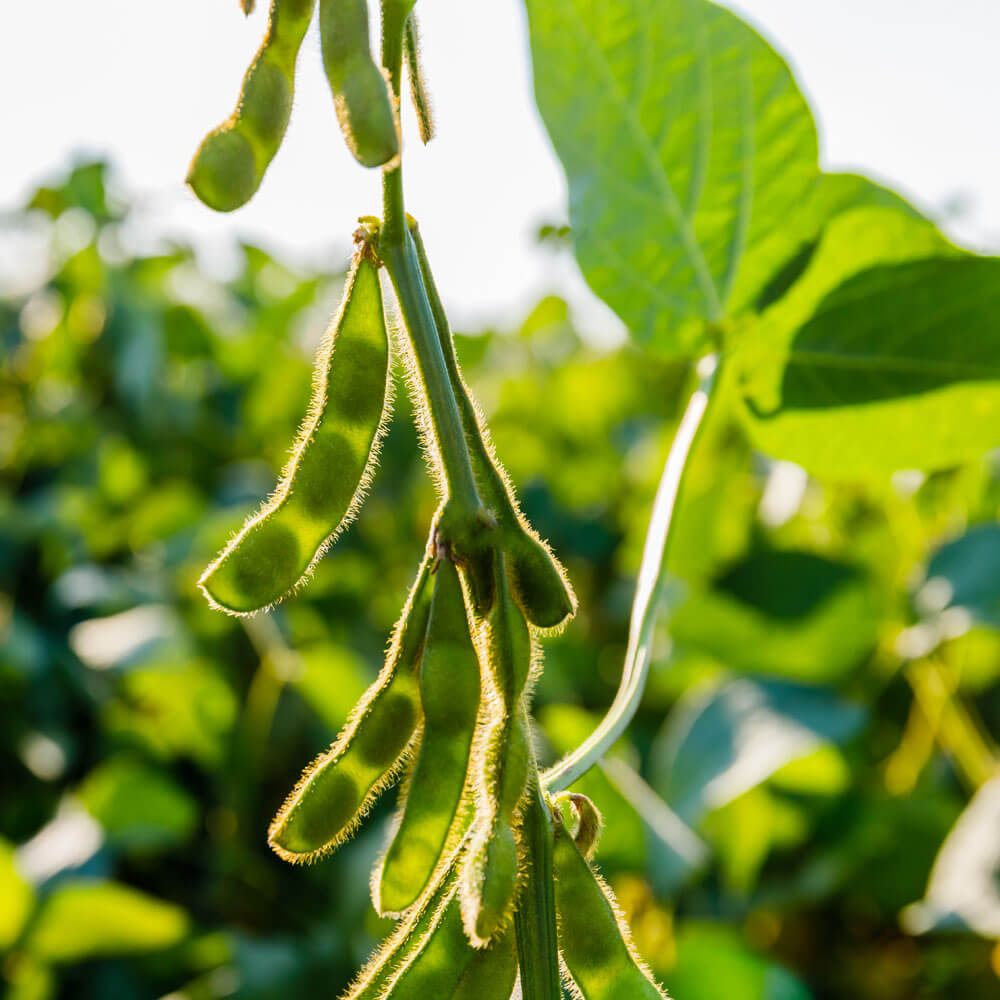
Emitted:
<point x="139" y="806"/>
<point x="715" y="747"/>
<point x="691" y="157"/>
<point x="884" y="355"/>
<point x="783" y="612"/>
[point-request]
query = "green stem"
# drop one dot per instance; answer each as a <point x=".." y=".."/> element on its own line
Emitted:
<point x="400" y="257"/>
<point x="645" y="607"/>
<point x="535" y="919"/>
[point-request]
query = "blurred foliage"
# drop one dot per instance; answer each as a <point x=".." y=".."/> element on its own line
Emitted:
<point x="818" y="719"/>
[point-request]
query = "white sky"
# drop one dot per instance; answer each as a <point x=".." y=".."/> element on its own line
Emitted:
<point x="905" y="90"/>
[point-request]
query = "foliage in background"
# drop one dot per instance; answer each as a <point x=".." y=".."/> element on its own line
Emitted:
<point x="813" y="728"/>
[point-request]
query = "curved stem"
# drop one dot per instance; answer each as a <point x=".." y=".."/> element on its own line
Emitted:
<point x="644" y="607"/>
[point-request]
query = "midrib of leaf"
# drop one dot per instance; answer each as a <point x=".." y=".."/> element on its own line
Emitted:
<point x="656" y="167"/>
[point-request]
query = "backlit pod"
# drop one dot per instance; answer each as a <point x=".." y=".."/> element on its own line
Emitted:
<point x="503" y="764"/>
<point x="332" y="462"/>
<point x="594" y="940"/>
<point x="418" y="86"/>
<point x="450" y="696"/>
<point x="338" y="789"/>
<point x="447" y="966"/>
<point x="539" y="581"/>
<point x="230" y="163"/>
<point x="402" y="945"/>
<point x="360" y="93"/>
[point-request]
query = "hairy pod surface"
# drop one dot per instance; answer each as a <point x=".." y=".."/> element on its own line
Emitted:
<point x="365" y="109"/>
<point x="450" y="695"/>
<point x="402" y="945"/>
<point x="538" y="580"/>
<point x="594" y="940"/>
<point x="446" y="964"/>
<point x="230" y="163"/>
<point x="418" y="85"/>
<point x="332" y="462"/>
<point x="503" y="765"/>
<point x="338" y="789"/>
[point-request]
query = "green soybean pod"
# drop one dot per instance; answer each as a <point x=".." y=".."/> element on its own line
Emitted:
<point x="449" y="696"/>
<point x="231" y="160"/>
<point x="339" y="788"/>
<point x="594" y="940"/>
<point x="403" y="944"/>
<point x="418" y="85"/>
<point x="491" y="866"/>
<point x="539" y="581"/>
<point x="365" y="109"/>
<point x="447" y="965"/>
<point x="331" y="465"/>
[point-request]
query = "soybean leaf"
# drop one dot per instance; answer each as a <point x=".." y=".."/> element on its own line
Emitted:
<point x="964" y="888"/>
<point x="139" y="806"/>
<point x="857" y="372"/>
<point x="84" y="919"/>
<point x="715" y="747"/>
<point x="789" y="613"/>
<point x="691" y="157"/>
<point x="965" y="572"/>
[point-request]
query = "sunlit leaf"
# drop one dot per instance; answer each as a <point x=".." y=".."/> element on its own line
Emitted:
<point x="83" y="919"/>
<point x="715" y="747"/>
<point x="139" y="806"/>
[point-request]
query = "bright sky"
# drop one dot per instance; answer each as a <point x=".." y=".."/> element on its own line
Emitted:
<point x="905" y="90"/>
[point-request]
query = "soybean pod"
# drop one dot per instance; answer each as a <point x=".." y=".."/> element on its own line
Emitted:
<point x="447" y="965"/>
<point x="231" y="160"/>
<point x="339" y="788"/>
<point x="539" y="581"/>
<point x="594" y="940"/>
<point x="450" y="695"/>
<point x="504" y="760"/>
<point x="365" y="109"/>
<point x="331" y="465"/>
<point x="418" y="85"/>
<point x="402" y="945"/>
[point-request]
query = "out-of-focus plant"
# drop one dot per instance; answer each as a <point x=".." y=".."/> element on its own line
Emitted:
<point x="825" y="685"/>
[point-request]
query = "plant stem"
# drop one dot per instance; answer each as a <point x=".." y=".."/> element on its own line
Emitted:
<point x="535" y="918"/>
<point x="645" y="607"/>
<point x="399" y="255"/>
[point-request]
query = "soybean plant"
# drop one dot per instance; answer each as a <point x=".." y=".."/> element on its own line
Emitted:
<point x="470" y="864"/>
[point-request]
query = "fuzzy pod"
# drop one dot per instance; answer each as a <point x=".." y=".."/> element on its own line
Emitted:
<point x="403" y="944"/>
<point x="365" y="109"/>
<point x="491" y="866"/>
<point x="339" y="788"/>
<point x="594" y="940"/>
<point x="230" y="163"/>
<point x="332" y="462"/>
<point x="446" y="965"/>
<point x="450" y="696"/>
<point x="418" y="85"/>
<point x="538" y="580"/>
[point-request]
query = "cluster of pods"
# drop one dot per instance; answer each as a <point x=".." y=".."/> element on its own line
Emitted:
<point x="449" y="713"/>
